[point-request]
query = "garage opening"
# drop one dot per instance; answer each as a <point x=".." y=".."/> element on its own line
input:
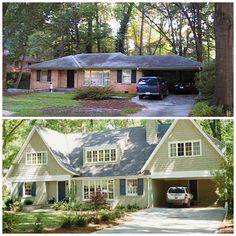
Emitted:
<point x="174" y="77"/>
<point x="203" y="191"/>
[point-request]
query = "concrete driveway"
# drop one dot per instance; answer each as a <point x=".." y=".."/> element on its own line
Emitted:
<point x="171" y="220"/>
<point x="172" y="105"/>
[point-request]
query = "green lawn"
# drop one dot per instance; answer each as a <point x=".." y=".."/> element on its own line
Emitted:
<point x="25" y="221"/>
<point x="31" y="104"/>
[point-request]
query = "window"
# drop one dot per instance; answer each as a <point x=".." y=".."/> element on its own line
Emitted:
<point x="126" y="76"/>
<point x="43" y="75"/>
<point x="28" y="189"/>
<point x="106" y="187"/>
<point x="97" y="78"/>
<point x="101" y="156"/>
<point x="185" y="149"/>
<point x="132" y="187"/>
<point x="36" y="158"/>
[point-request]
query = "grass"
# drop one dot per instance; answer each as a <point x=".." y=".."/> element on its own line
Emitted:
<point x="32" y="104"/>
<point x="25" y="221"/>
<point x="130" y="110"/>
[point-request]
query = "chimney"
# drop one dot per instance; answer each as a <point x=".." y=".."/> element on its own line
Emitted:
<point x="151" y="131"/>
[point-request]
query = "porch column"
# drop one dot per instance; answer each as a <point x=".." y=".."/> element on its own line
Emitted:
<point x="69" y="188"/>
<point x="150" y="193"/>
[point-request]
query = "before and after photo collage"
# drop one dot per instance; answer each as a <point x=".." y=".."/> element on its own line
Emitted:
<point x="117" y="117"/>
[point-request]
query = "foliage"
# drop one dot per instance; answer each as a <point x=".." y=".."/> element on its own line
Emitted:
<point x="24" y="83"/>
<point x="87" y="207"/>
<point x="28" y="202"/>
<point x="80" y="220"/>
<point x="205" y="82"/>
<point x="51" y="200"/>
<point x="133" y="207"/>
<point x="98" y="200"/>
<point x="38" y="224"/>
<point x="201" y="109"/>
<point x="105" y="215"/>
<point x="9" y="221"/>
<point x="17" y="206"/>
<point x="94" y="93"/>
<point x="8" y="204"/>
<point x="67" y="221"/>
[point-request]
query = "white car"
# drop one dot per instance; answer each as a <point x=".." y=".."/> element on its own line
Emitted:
<point x="179" y="196"/>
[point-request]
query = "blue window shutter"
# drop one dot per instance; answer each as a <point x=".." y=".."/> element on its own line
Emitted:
<point x="33" y="189"/>
<point x="119" y="76"/>
<point x="140" y="186"/>
<point x="20" y="189"/>
<point x="122" y="187"/>
<point x="133" y="77"/>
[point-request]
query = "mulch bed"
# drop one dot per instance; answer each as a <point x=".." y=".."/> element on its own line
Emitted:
<point x="226" y="229"/>
<point x="89" y="228"/>
<point x="109" y="107"/>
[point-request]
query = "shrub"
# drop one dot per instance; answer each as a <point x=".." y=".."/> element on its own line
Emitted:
<point x="81" y="220"/>
<point x="38" y="224"/>
<point x="205" y="82"/>
<point x="119" y="213"/>
<point x="201" y="109"/>
<point x="94" y="93"/>
<point x="9" y="204"/>
<point x="67" y="221"/>
<point x="105" y="215"/>
<point x="17" y="206"/>
<point x="52" y="200"/>
<point x="28" y="202"/>
<point x="98" y="200"/>
<point x="9" y="222"/>
<point x="87" y="207"/>
<point x="132" y="207"/>
<point x="74" y="206"/>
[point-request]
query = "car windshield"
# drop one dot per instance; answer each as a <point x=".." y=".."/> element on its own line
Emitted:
<point x="176" y="190"/>
<point x="148" y="81"/>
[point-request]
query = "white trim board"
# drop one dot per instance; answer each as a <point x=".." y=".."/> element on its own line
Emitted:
<point x="183" y="174"/>
<point x="168" y="133"/>
<point x="39" y="178"/>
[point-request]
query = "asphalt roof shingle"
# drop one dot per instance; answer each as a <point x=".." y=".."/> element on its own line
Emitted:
<point x="119" y="61"/>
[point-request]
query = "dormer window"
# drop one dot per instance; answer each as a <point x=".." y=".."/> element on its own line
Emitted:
<point x="100" y="155"/>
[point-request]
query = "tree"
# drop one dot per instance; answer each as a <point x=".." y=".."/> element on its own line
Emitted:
<point x="224" y="56"/>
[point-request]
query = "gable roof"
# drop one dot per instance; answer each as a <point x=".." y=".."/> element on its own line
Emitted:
<point x="216" y="144"/>
<point x="68" y="149"/>
<point x="119" y="61"/>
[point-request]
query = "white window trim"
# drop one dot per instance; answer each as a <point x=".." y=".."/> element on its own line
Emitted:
<point x="188" y="141"/>
<point x="24" y="195"/>
<point x="97" y="149"/>
<point x="126" y="187"/>
<point x="37" y="164"/>
<point x="130" y="77"/>
<point x="107" y="199"/>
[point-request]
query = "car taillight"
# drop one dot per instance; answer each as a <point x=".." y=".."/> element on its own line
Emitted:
<point x="158" y="88"/>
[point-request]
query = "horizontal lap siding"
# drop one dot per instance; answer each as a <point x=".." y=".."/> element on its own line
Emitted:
<point x="184" y="131"/>
<point x="52" y="168"/>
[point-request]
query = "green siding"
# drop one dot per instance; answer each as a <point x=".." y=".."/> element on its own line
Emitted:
<point x="184" y="131"/>
<point x="52" y="168"/>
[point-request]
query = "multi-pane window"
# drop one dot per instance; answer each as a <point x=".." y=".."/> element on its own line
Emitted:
<point x="132" y="186"/>
<point x="28" y="189"/>
<point x="105" y="187"/>
<point x="126" y="76"/>
<point x="99" y="156"/>
<point x="97" y="78"/>
<point x="36" y="158"/>
<point x="185" y="148"/>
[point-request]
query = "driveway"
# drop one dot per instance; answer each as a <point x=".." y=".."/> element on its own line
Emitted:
<point x="172" y="105"/>
<point x="171" y="220"/>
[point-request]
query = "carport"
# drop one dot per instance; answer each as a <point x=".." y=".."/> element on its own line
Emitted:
<point x="203" y="190"/>
<point x="173" y="76"/>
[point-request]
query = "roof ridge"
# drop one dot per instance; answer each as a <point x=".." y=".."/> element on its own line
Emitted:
<point x="76" y="61"/>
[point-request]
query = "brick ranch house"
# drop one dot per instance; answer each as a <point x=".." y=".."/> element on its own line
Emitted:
<point x="110" y="69"/>
<point x="130" y="165"/>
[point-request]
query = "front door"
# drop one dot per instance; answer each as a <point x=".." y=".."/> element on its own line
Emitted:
<point x="61" y="190"/>
<point x="70" y="79"/>
<point x="193" y="189"/>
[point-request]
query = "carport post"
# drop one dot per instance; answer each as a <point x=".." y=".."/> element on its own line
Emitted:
<point x="149" y="190"/>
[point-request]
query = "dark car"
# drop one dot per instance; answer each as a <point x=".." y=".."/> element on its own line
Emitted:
<point x="184" y="87"/>
<point x="152" y="86"/>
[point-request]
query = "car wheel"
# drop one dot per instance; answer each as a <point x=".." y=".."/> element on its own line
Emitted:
<point x="140" y="96"/>
<point x="161" y="96"/>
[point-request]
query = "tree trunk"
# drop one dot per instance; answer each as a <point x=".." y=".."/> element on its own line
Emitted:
<point x="98" y="29"/>
<point x="120" y="42"/>
<point x="224" y="56"/>
<point x="4" y="85"/>
<point x="141" y="32"/>
<point x="89" y="46"/>
<point x="20" y="72"/>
